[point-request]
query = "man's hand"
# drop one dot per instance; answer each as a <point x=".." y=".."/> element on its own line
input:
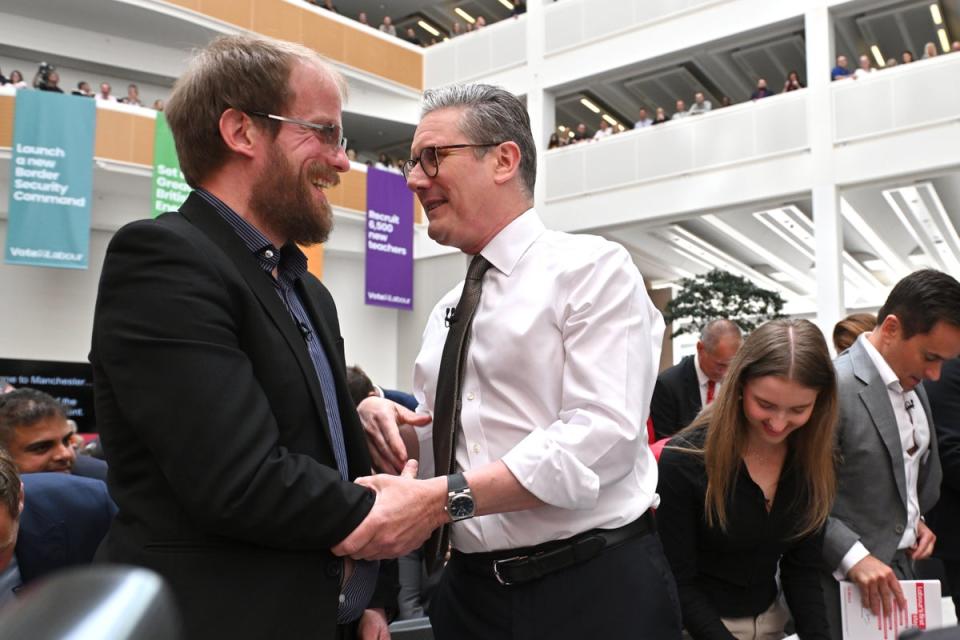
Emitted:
<point x="926" y="538"/>
<point x="382" y="420"/>
<point x="373" y="625"/>
<point x="878" y="585"/>
<point x="406" y="511"/>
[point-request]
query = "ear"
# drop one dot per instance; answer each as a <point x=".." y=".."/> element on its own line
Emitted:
<point x="891" y="327"/>
<point x="508" y="162"/>
<point x="22" y="498"/>
<point x="238" y="132"/>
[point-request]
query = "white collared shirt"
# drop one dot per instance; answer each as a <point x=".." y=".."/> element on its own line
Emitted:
<point x="914" y="431"/>
<point x="563" y="356"/>
<point x="703" y="381"/>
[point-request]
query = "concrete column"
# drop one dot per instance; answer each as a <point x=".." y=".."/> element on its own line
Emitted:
<point x="825" y="195"/>
<point x="540" y="103"/>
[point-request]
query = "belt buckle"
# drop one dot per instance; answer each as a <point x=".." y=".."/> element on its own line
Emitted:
<point x="496" y="569"/>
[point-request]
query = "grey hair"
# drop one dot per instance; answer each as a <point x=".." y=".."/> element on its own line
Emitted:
<point x="490" y="114"/>
<point x="716" y="329"/>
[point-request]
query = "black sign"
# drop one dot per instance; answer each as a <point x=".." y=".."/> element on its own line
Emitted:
<point x="69" y="382"/>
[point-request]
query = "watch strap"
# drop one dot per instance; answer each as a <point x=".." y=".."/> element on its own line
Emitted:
<point x="456" y="482"/>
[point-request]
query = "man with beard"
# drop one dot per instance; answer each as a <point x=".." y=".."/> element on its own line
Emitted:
<point x="220" y="380"/>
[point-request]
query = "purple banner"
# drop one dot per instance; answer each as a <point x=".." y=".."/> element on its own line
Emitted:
<point x="389" y="240"/>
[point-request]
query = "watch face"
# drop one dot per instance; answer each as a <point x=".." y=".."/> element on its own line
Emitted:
<point x="461" y="506"/>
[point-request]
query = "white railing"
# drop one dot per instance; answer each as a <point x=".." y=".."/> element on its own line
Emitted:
<point x="741" y="133"/>
<point x="572" y="23"/>
<point x="922" y="93"/>
<point x="476" y="54"/>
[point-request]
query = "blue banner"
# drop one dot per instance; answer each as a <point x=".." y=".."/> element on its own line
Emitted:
<point x="51" y="180"/>
<point x="389" y="274"/>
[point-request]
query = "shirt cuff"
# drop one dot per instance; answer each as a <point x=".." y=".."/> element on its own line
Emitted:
<point x="856" y="553"/>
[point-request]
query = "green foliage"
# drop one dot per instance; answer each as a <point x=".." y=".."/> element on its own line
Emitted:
<point x="718" y="294"/>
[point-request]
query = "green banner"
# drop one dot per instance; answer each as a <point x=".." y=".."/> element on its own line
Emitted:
<point x="51" y="180"/>
<point x="169" y="187"/>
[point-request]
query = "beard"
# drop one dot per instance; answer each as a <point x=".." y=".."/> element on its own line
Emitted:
<point x="283" y="201"/>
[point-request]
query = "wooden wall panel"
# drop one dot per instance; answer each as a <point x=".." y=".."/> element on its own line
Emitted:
<point x="7" y="105"/>
<point x="237" y="12"/>
<point x="323" y="35"/>
<point x="278" y="19"/>
<point x="352" y="192"/>
<point x="367" y="52"/>
<point x="143" y="130"/>
<point x="114" y="139"/>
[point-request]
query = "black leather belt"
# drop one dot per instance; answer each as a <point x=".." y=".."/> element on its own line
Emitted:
<point x="516" y="566"/>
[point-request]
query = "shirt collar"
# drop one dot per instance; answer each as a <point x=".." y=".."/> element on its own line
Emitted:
<point x="289" y="261"/>
<point x="507" y="247"/>
<point x="889" y="377"/>
<point x="701" y="376"/>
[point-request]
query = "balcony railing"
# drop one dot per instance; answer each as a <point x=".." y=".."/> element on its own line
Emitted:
<point x="742" y="133"/>
<point x="480" y="53"/>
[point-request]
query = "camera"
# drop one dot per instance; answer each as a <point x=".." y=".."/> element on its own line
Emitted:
<point x="43" y="73"/>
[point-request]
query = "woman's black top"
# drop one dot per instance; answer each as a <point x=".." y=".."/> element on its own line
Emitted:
<point x="732" y="574"/>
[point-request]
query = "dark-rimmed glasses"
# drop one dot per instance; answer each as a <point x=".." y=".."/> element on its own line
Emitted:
<point x="429" y="158"/>
<point x="329" y="134"/>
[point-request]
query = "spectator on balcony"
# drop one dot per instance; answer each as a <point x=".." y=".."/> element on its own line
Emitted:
<point x="83" y="89"/>
<point x="554" y="141"/>
<point x="929" y="50"/>
<point x="762" y="90"/>
<point x="793" y="82"/>
<point x="725" y="101"/>
<point x="481" y="22"/>
<point x="660" y="116"/>
<point x="581" y="134"/>
<point x="362" y="18"/>
<point x="410" y="35"/>
<point x="519" y="7"/>
<point x="841" y="70"/>
<point x="605" y="130"/>
<point x="681" y="111"/>
<point x="158" y="105"/>
<point x="3" y="79"/>
<point x="16" y="79"/>
<point x="955" y="46"/>
<point x="329" y="6"/>
<point x="104" y="94"/>
<point x="644" y="121"/>
<point x="52" y="83"/>
<point x="456" y="29"/>
<point x="864" y="68"/>
<point x="387" y="26"/>
<point x="133" y="96"/>
<point x="700" y="104"/>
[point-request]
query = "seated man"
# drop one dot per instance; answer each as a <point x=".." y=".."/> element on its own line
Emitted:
<point x="47" y="521"/>
<point x="35" y="431"/>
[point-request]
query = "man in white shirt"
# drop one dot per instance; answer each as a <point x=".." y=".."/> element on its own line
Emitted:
<point x="104" y="94"/>
<point x="888" y="474"/>
<point x="548" y="404"/>
<point x="644" y="121"/>
<point x="700" y="104"/>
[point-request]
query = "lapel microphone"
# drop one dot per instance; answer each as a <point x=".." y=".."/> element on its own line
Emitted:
<point x="450" y="317"/>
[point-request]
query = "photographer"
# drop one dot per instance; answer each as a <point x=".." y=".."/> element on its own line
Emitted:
<point x="47" y="78"/>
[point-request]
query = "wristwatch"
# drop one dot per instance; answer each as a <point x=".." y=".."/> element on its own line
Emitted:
<point x="460" y="504"/>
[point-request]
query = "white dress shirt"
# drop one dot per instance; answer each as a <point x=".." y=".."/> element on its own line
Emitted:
<point x="914" y="432"/>
<point x="561" y="365"/>
<point x="703" y="381"/>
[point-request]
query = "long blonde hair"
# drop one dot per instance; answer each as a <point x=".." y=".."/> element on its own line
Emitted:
<point x="791" y="349"/>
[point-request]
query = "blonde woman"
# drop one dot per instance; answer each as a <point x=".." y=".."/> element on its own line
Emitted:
<point x="747" y="488"/>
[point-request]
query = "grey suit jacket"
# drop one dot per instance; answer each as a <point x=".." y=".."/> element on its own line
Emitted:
<point x="871" y="503"/>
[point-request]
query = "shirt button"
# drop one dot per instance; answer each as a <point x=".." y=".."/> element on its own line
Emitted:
<point x="476" y="448"/>
<point x="343" y="598"/>
<point x="898" y="528"/>
<point x="268" y="254"/>
<point x="470" y="396"/>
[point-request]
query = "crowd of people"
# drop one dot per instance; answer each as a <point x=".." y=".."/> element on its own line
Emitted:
<point x="409" y="34"/>
<point x="48" y="79"/>
<point x="564" y="136"/>
<point x="272" y="488"/>
<point x="865" y="66"/>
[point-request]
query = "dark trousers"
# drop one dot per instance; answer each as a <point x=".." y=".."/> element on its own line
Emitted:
<point x="952" y="569"/>
<point x="627" y="591"/>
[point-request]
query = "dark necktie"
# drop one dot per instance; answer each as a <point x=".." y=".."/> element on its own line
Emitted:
<point x="446" y="406"/>
<point x="711" y="388"/>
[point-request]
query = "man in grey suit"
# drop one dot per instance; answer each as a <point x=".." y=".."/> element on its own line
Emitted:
<point x="888" y="472"/>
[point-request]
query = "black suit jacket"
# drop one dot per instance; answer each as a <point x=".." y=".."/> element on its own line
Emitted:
<point x="64" y="519"/>
<point x="212" y="420"/>
<point x="676" y="398"/>
<point x="944" y="518"/>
